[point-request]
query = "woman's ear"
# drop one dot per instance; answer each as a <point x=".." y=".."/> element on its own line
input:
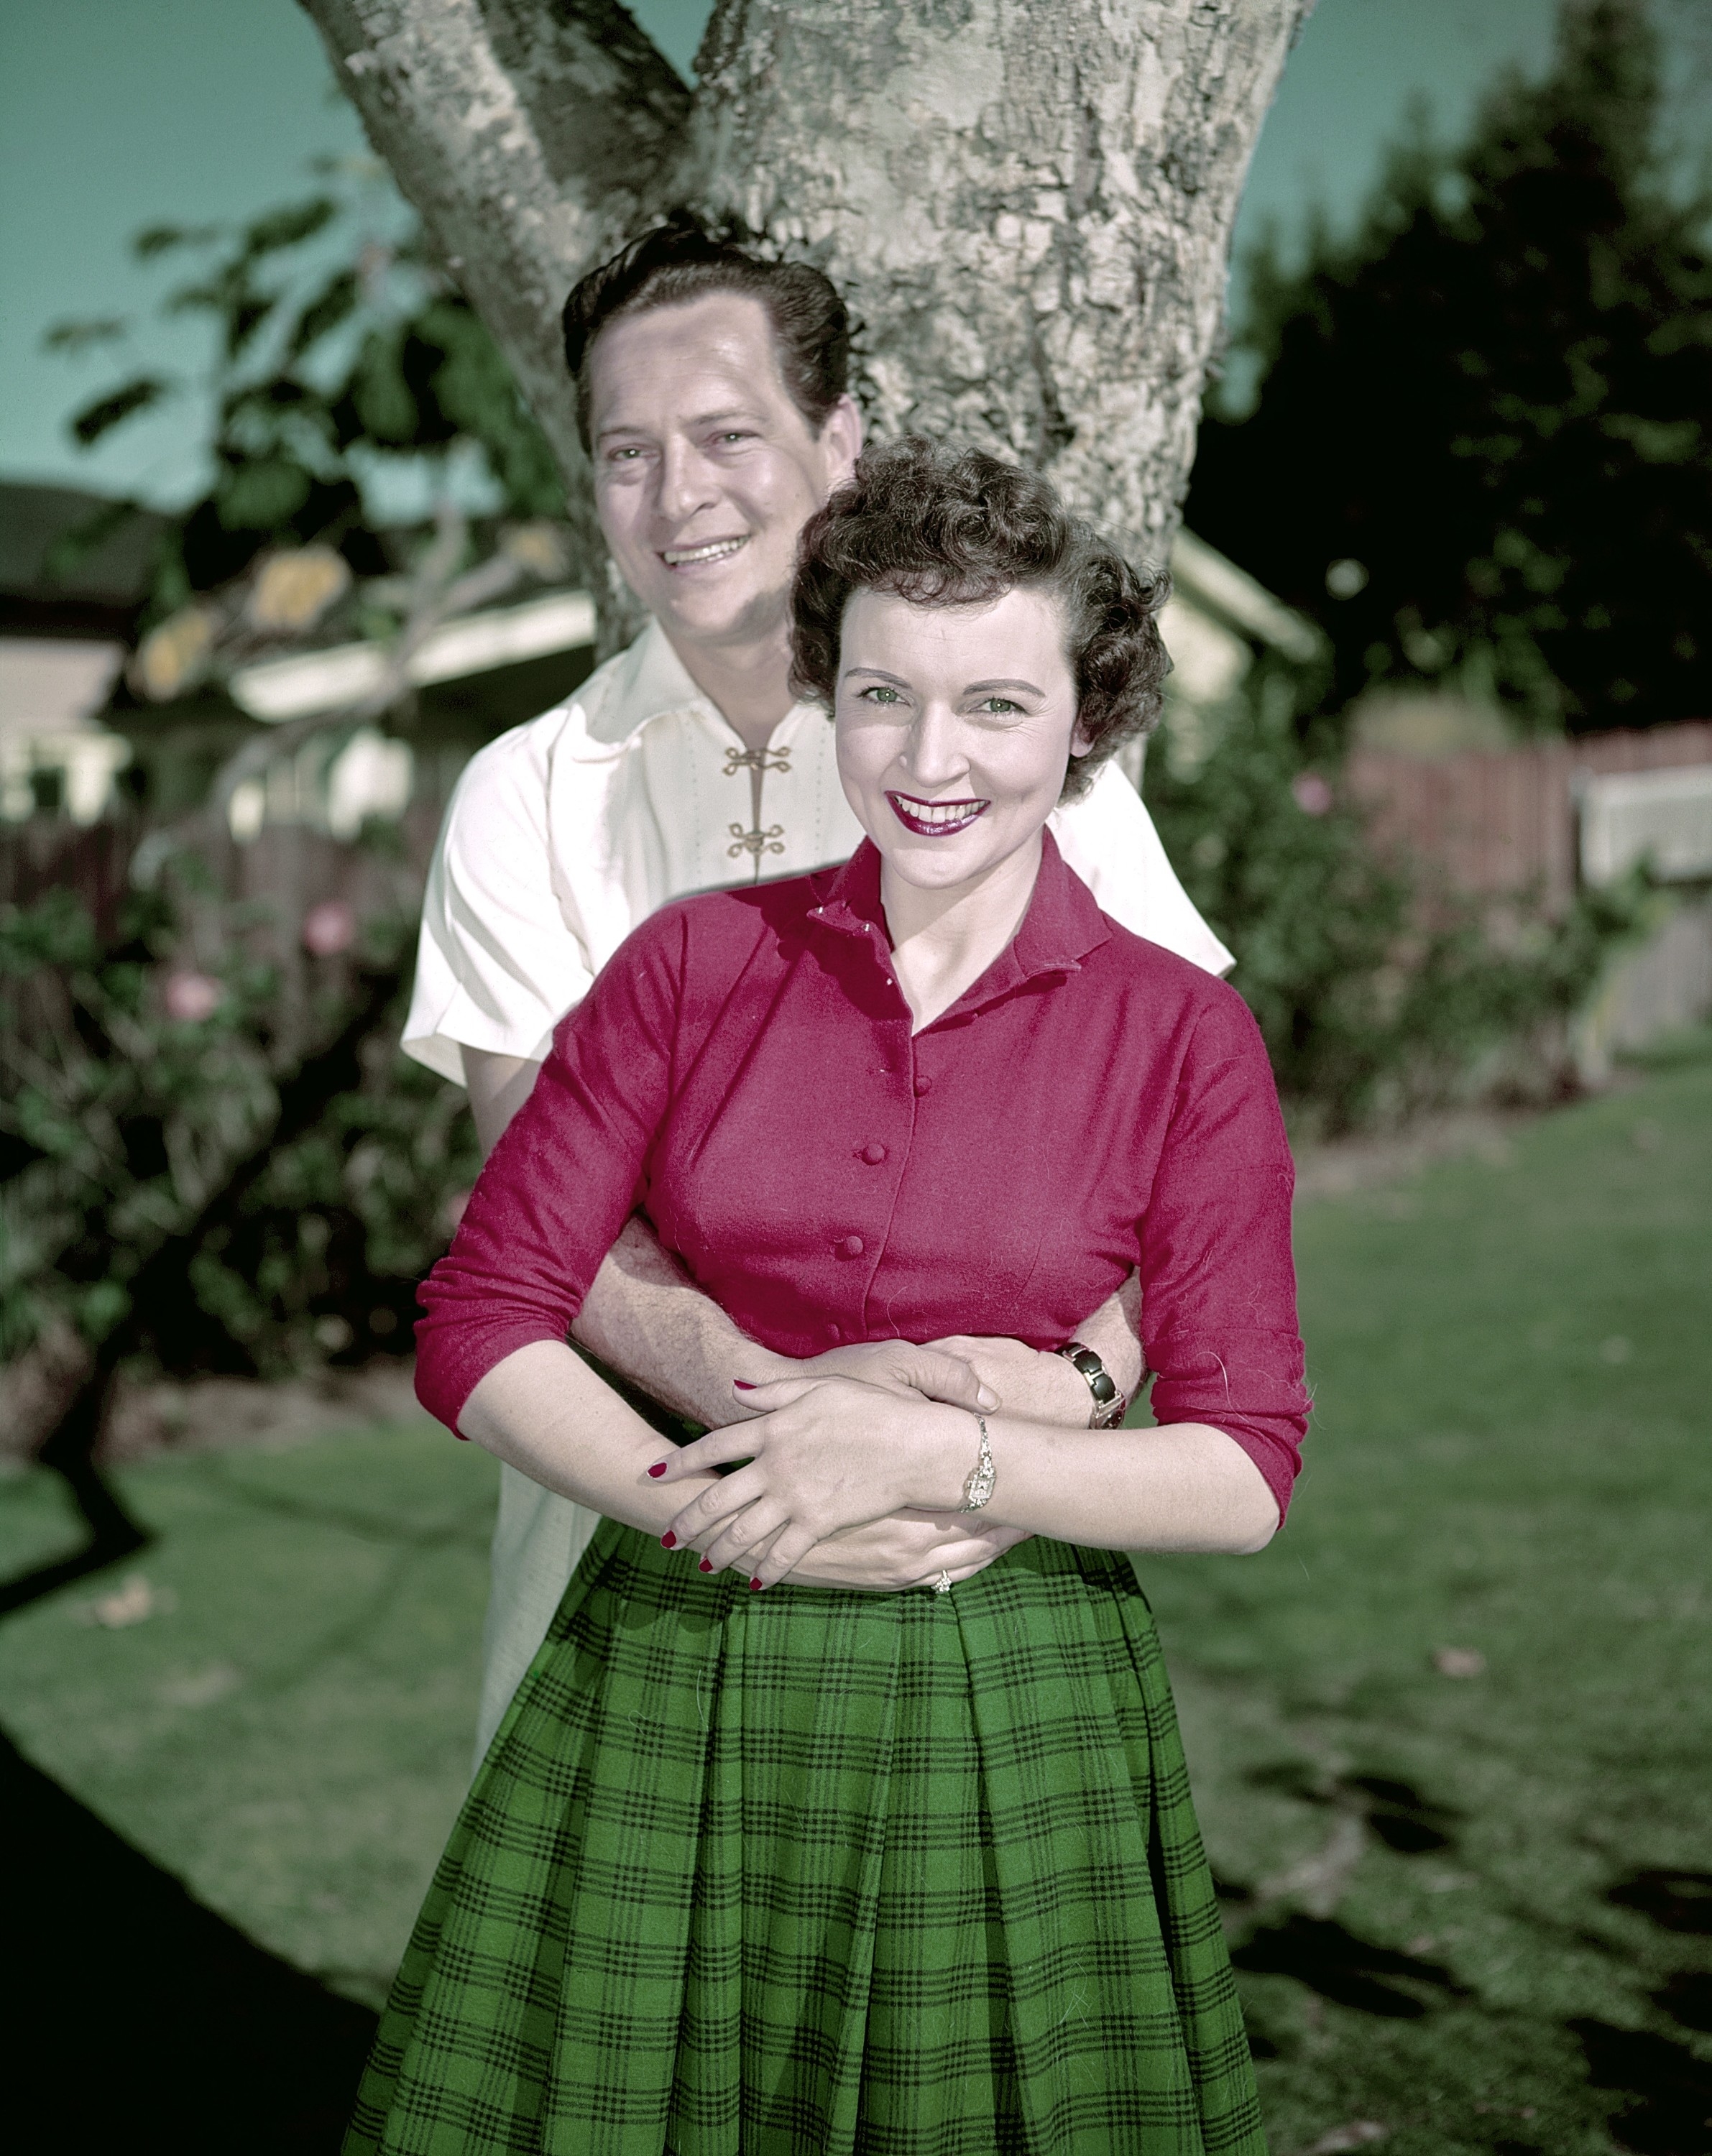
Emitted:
<point x="1080" y="744"/>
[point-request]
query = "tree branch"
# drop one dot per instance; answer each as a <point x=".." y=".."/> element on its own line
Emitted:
<point x="528" y="135"/>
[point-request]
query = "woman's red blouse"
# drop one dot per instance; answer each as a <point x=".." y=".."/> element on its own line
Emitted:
<point x="743" y="1070"/>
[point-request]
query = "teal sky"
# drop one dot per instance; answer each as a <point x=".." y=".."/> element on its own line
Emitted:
<point x="117" y="114"/>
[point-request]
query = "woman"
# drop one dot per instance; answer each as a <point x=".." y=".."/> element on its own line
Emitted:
<point x="762" y="1867"/>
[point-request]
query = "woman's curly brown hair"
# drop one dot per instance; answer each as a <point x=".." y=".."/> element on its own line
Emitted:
<point x="948" y="527"/>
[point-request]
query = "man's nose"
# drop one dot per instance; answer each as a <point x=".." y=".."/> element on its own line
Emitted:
<point x="685" y="481"/>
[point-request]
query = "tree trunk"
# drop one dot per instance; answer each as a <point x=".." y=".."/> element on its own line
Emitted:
<point x="1029" y="206"/>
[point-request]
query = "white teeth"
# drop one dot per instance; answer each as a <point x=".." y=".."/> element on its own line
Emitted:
<point x="941" y="812"/>
<point x="715" y="551"/>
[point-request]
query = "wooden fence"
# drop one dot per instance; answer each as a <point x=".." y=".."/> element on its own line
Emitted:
<point x="1490" y="822"/>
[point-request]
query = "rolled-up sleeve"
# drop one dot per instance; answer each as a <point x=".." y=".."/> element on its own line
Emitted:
<point x="563" y="1179"/>
<point x="1217" y="1276"/>
<point x="497" y="964"/>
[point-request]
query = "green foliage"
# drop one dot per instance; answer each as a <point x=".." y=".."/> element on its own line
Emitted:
<point x="1481" y="452"/>
<point x="1368" y="1009"/>
<point x="124" y="1129"/>
<point x="107" y="412"/>
<point x="335" y="350"/>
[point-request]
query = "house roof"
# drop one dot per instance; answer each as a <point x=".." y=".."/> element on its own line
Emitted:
<point x="99" y="592"/>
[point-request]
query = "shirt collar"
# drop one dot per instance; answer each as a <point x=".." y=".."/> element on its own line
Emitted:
<point x="1062" y="925"/>
<point x="650" y="681"/>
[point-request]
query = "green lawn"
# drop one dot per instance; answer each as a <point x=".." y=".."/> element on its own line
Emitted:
<point x="289" y="1730"/>
<point x="1472" y="1910"/>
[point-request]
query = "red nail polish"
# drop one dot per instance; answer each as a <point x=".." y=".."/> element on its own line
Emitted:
<point x="705" y="1566"/>
<point x="742" y="1385"/>
<point x="658" y="1469"/>
<point x="668" y="1540"/>
<point x="754" y="1587"/>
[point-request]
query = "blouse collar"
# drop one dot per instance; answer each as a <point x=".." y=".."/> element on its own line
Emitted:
<point x="1062" y="925"/>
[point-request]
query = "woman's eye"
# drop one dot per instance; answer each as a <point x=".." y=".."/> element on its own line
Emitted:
<point x="1000" y="707"/>
<point x="878" y="694"/>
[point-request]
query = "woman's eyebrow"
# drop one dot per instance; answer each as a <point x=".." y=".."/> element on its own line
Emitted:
<point x="877" y="673"/>
<point x="1028" y="688"/>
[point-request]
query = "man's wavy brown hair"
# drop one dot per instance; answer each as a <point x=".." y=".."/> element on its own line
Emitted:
<point x="944" y="526"/>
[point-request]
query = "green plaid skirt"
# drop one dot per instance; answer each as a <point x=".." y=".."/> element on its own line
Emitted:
<point x="813" y="1873"/>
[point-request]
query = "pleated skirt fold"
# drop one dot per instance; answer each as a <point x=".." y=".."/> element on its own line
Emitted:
<point x="811" y="1873"/>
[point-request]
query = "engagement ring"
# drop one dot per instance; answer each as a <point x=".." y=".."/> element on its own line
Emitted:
<point x="942" y="1585"/>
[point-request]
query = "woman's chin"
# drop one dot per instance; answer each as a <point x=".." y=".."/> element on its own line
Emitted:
<point x="961" y="857"/>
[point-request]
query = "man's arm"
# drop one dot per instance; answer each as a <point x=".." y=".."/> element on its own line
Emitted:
<point x="645" y="1317"/>
<point x="498" y="1087"/>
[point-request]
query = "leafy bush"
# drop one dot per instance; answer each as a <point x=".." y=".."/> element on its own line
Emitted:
<point x="193" y="1166"/>
<point x="1371" y="1007"/>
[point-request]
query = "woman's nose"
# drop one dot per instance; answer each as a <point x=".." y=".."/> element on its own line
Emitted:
<point x="935" y="751"/>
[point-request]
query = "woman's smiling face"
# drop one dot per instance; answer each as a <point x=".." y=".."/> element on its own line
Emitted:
<point x="955" y="726"/>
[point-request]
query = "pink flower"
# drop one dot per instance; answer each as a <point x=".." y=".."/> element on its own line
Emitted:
<point x="191" y="997"/>
<point x="329" y="928"/>
<point x="1313" y="796"/>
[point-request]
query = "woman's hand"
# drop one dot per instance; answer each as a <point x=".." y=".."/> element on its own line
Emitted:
<point x="824" y="1456"/>
<point x="904" y="1550"/>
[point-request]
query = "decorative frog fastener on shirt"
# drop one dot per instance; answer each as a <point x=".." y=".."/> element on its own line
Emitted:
<point x="755" y="841"/>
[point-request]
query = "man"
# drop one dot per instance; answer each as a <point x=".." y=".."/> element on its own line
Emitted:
<point x="712" y="398"/>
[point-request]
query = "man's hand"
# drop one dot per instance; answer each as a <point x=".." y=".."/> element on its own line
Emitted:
<point x="941" y="1371"/>
<point x="1036" y="1387"/>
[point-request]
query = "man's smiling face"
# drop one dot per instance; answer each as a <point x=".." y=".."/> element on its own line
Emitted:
<point x="705" y="471"/>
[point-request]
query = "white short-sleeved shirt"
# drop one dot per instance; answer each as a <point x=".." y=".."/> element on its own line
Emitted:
<point x="566" y="832"/>
<point x="561" y="837"/>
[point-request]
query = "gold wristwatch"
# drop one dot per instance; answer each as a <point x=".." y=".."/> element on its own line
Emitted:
<point x="1109" y="1403"/>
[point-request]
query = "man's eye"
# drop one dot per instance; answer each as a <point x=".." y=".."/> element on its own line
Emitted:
<point x="736" y="435"/>
<point x="625" y="455"/>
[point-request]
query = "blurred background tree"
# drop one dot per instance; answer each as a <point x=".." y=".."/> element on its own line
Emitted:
<point x="353" y="386"/>
<point x="1481" y="454"/>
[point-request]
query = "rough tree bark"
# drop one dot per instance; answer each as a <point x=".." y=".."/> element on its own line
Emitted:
<point x="1027" y="202"/>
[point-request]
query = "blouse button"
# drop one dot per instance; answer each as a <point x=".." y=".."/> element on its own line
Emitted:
<point x="923" y="1085"/>
<point x="874" y="1152"/>
<point x="851" y="1247"/>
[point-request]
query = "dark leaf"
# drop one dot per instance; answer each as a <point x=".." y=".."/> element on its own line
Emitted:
<point x="263" y="496"/>
<point x="333" y="304"/>
<point x="79" y="337"/>
<point x="160" y="238"/>
<point x="381" y="394"/>
<point x="109" y="412"/>
<point x="246" y="316"/>
<point x="289" y="227"/>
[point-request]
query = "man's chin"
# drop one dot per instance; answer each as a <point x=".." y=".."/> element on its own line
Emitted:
<point x="723" y="613"/>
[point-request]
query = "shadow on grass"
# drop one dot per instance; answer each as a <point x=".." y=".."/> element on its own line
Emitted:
<point x="1333" y="1961"/>
<point x="144" y="2021"/>
<point x="1673" y="2116"/>
<point x="112" y="1532"/>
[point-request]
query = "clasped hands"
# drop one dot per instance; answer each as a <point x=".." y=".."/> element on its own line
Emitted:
<point x="855" y="1464"/>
